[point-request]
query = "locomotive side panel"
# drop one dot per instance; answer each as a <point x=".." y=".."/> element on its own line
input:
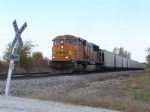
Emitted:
<point x="90" y="52"/>
<point x="80" y="50"/>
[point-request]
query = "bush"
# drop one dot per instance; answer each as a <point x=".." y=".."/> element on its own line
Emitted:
<point x="40" y="63"/>
<point x="4" y="66"/>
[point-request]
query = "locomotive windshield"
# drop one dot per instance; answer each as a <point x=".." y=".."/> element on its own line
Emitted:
<point x="71" y="41"/>
<point x="58" y="41"/>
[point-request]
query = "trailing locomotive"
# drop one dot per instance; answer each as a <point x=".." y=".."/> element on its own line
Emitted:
<point x="74" y="54"/>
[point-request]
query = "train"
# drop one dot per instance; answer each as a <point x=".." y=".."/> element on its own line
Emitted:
<point x="71" y="54"/>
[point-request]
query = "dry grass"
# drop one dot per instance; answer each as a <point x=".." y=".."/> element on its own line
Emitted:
<point x="108" y="101"/>
<point x="4" y="67"/>
<point x="19" y="69"/>
<point x="79" y="84"/>
<point x="147" y="70"/>
<point x="132" y="95"/>
<point x="102" y="78"/>
<point x="39" y="69"/>
<point x="135" y="86"/>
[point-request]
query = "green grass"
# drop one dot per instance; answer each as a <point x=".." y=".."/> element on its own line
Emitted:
<point x="141" y="96"/>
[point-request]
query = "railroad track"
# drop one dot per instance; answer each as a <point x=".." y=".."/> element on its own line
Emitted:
<point x="25" y="75"/>
<point x="34" y="75"/>
<point x="43" y="74"/>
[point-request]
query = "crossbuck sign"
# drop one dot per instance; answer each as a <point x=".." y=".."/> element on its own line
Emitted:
<point x="14" y="56"/>
<point x="18" y="33"/>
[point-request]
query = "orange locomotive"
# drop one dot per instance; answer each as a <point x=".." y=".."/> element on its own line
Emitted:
<point x="73" y="54"/>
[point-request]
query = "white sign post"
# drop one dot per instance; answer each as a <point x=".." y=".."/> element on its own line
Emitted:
<point x="14" y="56"/>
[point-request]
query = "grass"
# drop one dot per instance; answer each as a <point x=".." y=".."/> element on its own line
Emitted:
<point x="79" y="84"/>
<point x="102" y="78"/>
<point x="141" y="96"/>
<point x="131" y="95"/>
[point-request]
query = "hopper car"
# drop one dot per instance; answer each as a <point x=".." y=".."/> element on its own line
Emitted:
<point x="74" y="54"/>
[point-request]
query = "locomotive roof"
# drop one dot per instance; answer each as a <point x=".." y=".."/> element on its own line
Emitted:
<point x="63" y="36"/>
<point x="76" y="37"/>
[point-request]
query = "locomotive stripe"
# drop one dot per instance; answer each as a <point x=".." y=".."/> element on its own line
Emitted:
<point x="66" y="52"/>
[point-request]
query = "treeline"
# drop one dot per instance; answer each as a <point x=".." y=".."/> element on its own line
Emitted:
<point x="29" y="61"/>
<point x="148" y="56"/>
<point x="122" y="52"/>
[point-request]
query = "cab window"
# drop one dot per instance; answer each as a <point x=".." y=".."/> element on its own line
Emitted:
<point x="71" y="41"/>
<point x="58" y="41"/>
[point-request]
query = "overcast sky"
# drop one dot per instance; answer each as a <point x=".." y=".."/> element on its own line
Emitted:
<point x="107" y="23"/>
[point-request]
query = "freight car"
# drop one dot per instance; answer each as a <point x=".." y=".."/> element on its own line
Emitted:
<point x="74" y="54"/>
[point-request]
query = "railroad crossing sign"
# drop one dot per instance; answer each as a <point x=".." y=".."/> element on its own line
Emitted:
<point x="14" y="56"/>
<point x="18" y="33"/>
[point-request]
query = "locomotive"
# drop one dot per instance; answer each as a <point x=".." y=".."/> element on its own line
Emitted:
<point x="74" y="54"/>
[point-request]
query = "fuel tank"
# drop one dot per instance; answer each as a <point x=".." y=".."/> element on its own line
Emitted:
<point x="89" y="68"/>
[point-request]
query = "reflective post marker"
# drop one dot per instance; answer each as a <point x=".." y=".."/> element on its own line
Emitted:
<point x="14" y="56"/>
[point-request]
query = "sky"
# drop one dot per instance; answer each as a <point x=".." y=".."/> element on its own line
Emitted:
<point x="107" y="23"/>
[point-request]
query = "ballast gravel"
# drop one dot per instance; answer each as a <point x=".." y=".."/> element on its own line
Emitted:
<point x="27" y="86"/>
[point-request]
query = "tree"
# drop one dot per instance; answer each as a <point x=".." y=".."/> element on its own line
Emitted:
<point x="25" y="53"/>
<point x="120" y="51"/>
<point x="0" y="64"/>
<point x="115" y="50"/>
<point x="37" y="55"/>
<point x="148" y="60"/>
<point x="39" y="61"/>
<point x="148" y="56"/>
<point x="7" y="52"/>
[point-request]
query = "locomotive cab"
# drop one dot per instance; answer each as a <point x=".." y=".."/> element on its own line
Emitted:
<point x="64" y="53"/>
<point x="64" y="48"/>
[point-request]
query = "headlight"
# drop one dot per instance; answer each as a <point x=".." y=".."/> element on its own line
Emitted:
<point x="66" y="56"/>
